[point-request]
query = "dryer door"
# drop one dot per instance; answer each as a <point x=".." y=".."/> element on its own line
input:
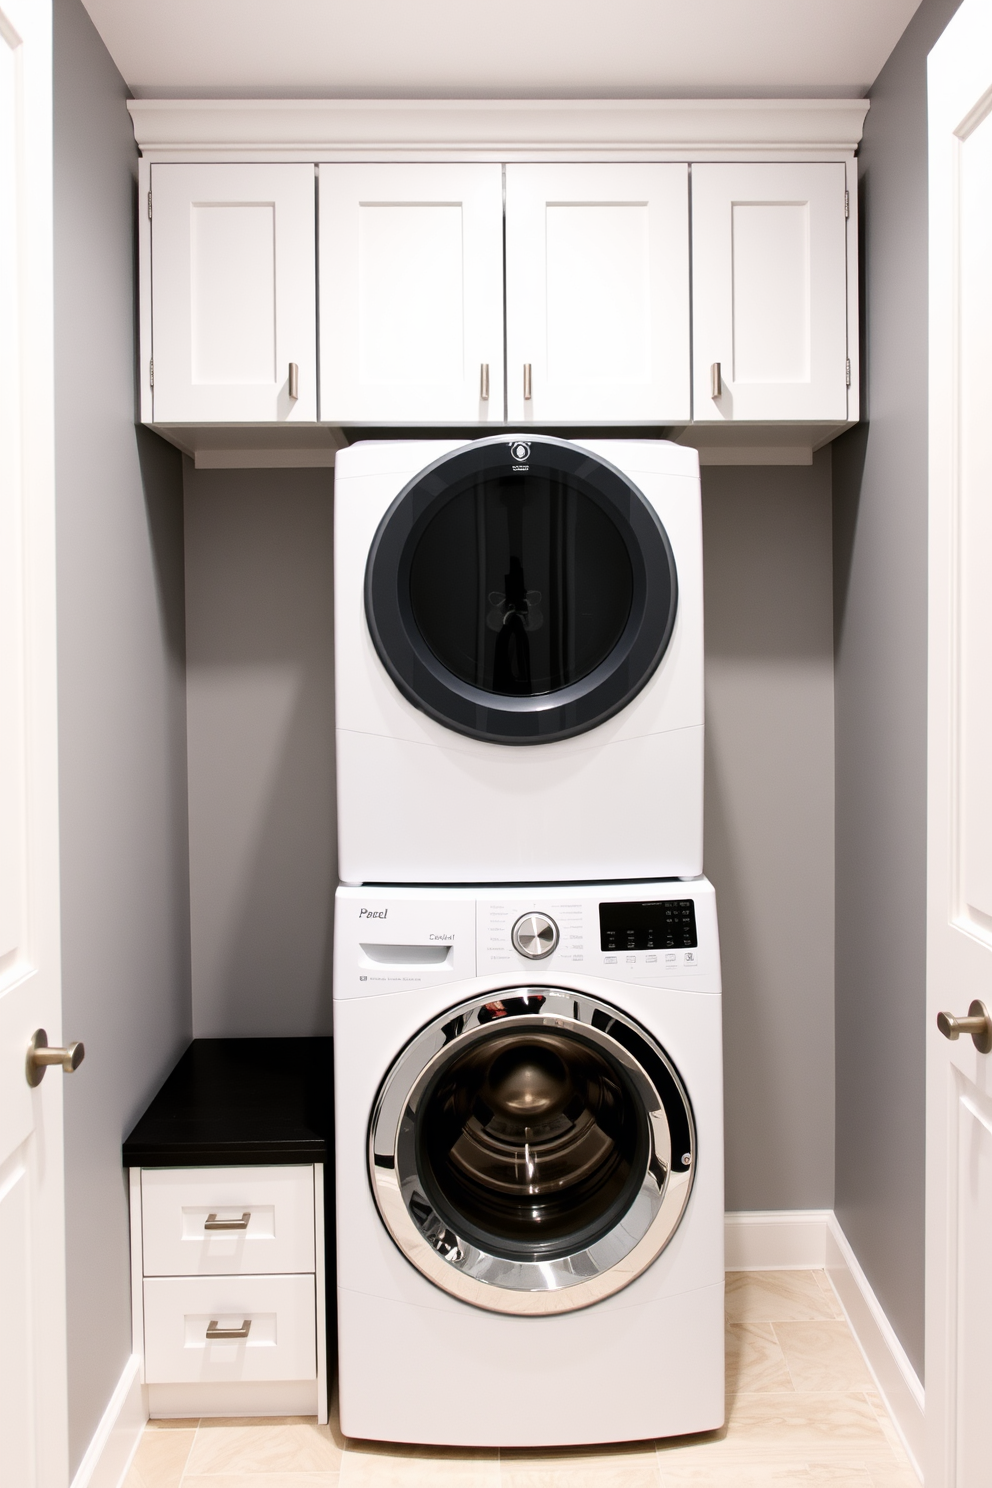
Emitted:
<point x="532" y="1153"/>
<point x="521" y="590"/>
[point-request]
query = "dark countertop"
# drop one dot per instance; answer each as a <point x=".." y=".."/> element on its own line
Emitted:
<point x="240" y="1102"/>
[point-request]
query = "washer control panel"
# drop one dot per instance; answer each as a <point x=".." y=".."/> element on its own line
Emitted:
<point x="650" y="938"/>
<point x="535" y="936"/>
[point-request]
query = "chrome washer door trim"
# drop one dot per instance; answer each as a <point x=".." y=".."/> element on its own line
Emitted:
<point x="544" y="1286"/>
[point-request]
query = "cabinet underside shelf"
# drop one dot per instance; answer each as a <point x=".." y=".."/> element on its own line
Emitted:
<point x="299" y="445"/>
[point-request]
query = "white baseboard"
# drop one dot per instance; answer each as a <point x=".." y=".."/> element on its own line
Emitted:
<point x="812" y="1240"/>
<point x="115" y="1441"/>
<point x="776" y="1240"/>
<point x="895" y="1376"/>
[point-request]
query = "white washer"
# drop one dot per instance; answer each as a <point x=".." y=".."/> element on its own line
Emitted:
<point x="519" y="661"/>
<point x="529" y="1151"/>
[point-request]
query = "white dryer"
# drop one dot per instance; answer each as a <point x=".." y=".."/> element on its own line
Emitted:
<point x="529" y="1163"/>
<point x="519" y="661"/>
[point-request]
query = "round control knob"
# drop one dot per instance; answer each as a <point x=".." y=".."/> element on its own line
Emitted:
<point x="535" y="936"/>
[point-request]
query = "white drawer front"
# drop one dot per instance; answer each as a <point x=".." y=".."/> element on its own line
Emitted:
<point x="181" y="1206"/>
<point x="280" y="1312"/>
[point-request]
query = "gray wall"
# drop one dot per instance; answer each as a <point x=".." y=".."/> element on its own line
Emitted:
<point x="260" y="698"/>
<point x="260" y="728"/>
<point x="770" y="823"/>
<point x="122" y="747"/>
<point x="880" y="517"/>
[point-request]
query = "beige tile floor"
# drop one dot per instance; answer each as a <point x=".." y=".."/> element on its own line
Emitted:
<point x="801" y="1413"/>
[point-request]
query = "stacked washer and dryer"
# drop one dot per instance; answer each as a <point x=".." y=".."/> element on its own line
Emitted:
<point x="527" y="1020"/>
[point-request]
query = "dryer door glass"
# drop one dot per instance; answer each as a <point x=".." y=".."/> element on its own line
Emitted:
<point x="521" y="592"/>
<point x="533" y="1153"/>
<point x="547" y="597"/>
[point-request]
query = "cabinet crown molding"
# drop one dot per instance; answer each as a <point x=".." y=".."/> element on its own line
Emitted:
<point x="499" y="130"/>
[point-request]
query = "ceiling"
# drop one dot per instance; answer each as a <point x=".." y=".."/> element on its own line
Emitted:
<point x="555" y="48"/>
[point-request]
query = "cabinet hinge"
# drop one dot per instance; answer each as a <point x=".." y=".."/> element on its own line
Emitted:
<point x="149" y="206"/>
<point x="151" y="373"/>
<point x="849" y="371"/>
<point x="847" y="204"/>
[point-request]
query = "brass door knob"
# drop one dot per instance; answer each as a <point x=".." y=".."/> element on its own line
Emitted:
<point x="977" y="1023"/>
<point x="40" y="1056"/>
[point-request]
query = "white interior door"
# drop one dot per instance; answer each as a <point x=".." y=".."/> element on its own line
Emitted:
<point x="411" y="293"/>
<point x="234" y="287"/>
<point x="597" y="293"/>
<point x="769" y="291"/>
<point x="959" y="929"/>
<point x="33" y="1441"/>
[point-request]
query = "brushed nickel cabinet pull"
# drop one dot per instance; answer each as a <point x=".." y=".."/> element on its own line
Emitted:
<point x="214" y="1332"/>
<point x="294" y="380"/>
<point x="528" y="390"/>
<point x="484" y="383"/>
<point x="977" y="1023"/>
<point x="716" y="381"/>
<point x="213" y="1223"/>
<point x="40" y="1056"/>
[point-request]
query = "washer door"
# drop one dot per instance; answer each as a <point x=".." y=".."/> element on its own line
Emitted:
<point x="532" y="1152"/>
<point x="521" y="590"/>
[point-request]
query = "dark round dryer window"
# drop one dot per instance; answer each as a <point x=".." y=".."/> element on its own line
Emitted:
<point x="532" y="1144"/>
<point x="546" y="599"/>
<point x="521" y="590"/>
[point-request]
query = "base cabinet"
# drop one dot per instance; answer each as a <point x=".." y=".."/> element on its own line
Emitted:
<point x="228" y="1290"/>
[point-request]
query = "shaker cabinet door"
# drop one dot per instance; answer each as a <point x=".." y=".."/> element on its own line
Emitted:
<point x="597" y="293"/>
<point x="234" y="293"/>
<point x="769" y="292"/>
<point x="411" y="293"/>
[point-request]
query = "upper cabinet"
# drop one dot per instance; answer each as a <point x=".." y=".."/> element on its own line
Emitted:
<point x="690" y="265"/>
<point x="233" y="285"/>
<point x="411" y="293"/>
<point x="769" y="292"/>
<point x="597" y="293"/>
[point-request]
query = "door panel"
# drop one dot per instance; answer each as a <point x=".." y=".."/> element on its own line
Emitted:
<point x="233" y="293"/>
<point x="597" y="292"/>
<point x="33" y="1429"/>
<point x="959" y="853"/>
<point x="975" y="319"/>
<point x="972" y="1280"/>
<point x="769" y="291"/>
<point x="411" y="293"/>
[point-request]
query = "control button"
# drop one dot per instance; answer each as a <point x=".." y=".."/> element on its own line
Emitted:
<point x="631" y="960"/>
<point x="689" y="959"/>
<point x="670" y="958"/>
<point x="610" y="960"/>
<point x="650" y="958"/>
<point x="535" y="936"/>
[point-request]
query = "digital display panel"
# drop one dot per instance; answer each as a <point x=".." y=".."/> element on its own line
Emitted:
<point x="658" y="925"/>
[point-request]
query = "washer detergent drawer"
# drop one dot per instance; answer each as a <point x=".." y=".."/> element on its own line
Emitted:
<point x="227" y="1221"/>
<point x="275" y="1317"/>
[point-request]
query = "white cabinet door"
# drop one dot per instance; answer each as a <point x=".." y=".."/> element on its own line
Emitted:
<point x="233" y="293"/>
<point x="411" y="293"/>
<point x="769" y="291"/>
<point x="597" y="293"/>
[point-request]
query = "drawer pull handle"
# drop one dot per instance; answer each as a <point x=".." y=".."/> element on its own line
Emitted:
<point x="213" y="1223"/>
<point x="213" y="1331"/>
